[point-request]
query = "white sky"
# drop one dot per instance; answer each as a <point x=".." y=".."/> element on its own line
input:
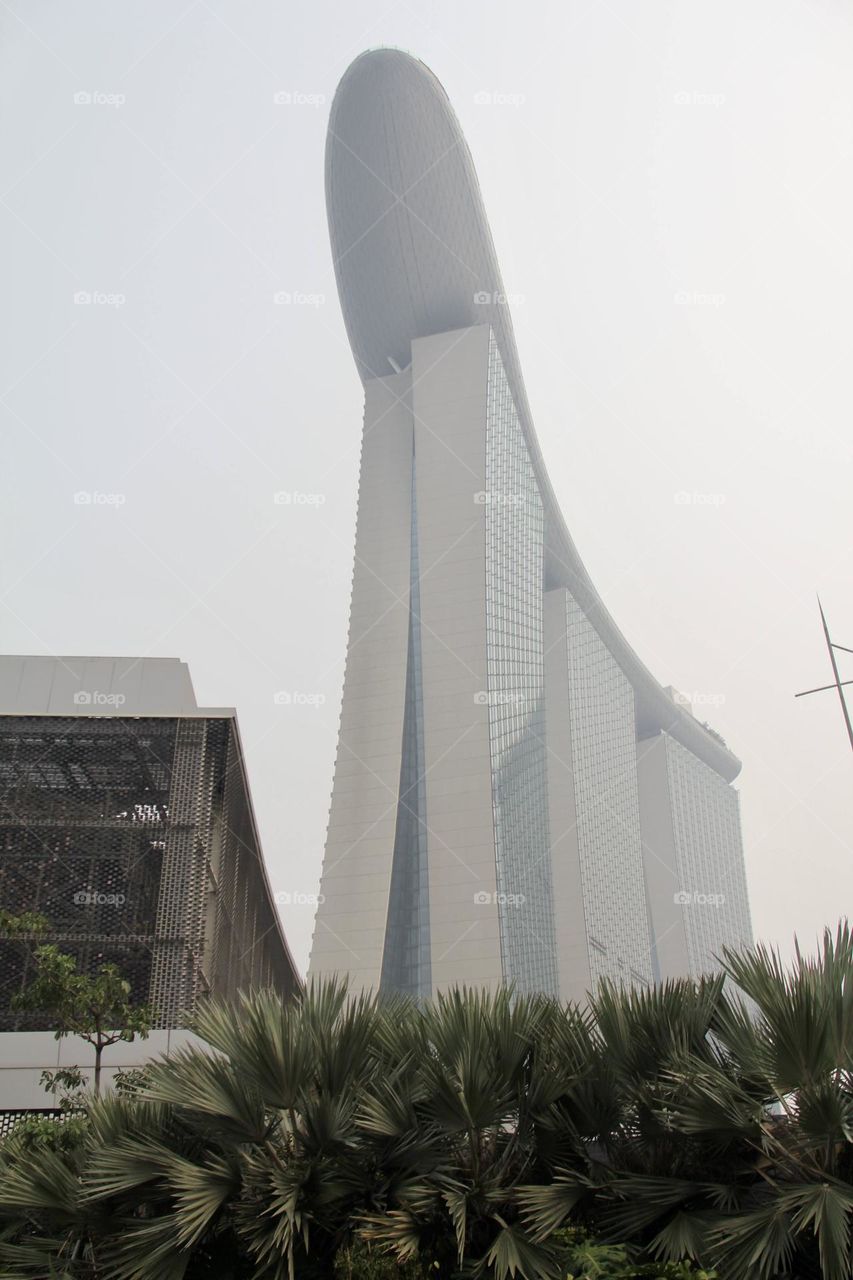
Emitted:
<point x="652" y="152"/>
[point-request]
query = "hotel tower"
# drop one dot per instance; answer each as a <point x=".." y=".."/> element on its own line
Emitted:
<point x="516" y="798"/>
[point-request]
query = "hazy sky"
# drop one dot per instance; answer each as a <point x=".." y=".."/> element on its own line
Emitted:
<point x="670" y="187"/>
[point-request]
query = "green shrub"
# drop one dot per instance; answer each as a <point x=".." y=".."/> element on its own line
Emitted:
<point x="361" y="1261"/>
<point x="586" y="1259"/>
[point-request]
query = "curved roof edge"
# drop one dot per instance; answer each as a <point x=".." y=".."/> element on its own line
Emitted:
<point x="413" y="255"/>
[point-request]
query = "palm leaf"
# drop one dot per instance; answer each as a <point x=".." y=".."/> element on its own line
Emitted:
<point x="512" y="1253"/>
<point x="545" y="1208"/>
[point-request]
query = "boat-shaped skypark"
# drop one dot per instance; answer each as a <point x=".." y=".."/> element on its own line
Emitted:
<point x="516" y="797"/>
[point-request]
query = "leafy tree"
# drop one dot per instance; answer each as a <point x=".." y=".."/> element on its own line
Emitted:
<point x="25" y="924"/>
<point x="96" y="1007"/>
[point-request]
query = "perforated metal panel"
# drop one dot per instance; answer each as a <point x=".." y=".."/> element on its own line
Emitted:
<point x="135" y="838"/>
<point x="8" y="1119"/>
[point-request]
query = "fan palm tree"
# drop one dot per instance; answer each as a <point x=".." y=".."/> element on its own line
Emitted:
<point x="476" y="1095"/>
<point x="46" y="1230"/>
<point x="795" y="1053"/>
<point x="642" y="1177"/>
<point x="696" y="1121"/>
<point x="255" y="1142"/>
<point x="733" y="1140"/>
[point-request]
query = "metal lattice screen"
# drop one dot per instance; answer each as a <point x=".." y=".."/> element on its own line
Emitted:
<point x="8" y="1119"/>
<point x="133" y="837"/>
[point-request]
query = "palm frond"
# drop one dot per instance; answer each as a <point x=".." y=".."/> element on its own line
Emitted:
<point x="513" y="1253"/>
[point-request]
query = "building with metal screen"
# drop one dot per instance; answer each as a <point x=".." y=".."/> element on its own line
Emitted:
<point x="490" y="820"/>
<point x="126" y="821"/>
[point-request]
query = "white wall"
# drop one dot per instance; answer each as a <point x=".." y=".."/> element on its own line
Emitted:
<point x="25" y="1054"/>
<point x="349" y="930"/>
<point x="450" y="381"/>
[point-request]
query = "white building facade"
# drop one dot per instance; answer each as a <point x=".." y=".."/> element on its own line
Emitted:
<point x="493" y="818"/>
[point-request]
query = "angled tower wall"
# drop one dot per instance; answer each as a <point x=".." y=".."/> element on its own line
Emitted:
<point x="349" y="932"/>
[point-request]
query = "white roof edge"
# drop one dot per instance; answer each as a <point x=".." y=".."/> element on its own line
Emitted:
<point x="99" y="686"/>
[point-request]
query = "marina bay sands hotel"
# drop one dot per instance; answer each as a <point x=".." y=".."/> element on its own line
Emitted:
<point x="516" y="798"/>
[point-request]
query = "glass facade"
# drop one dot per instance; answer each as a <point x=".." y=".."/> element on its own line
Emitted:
<point x="604" y="767"/>
<point x="406" y="952"/>
<point x="516" y="678"/>
<point x="709" y="854"/>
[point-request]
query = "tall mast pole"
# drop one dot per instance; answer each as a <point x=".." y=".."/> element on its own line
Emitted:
<point x="831" y="650"/>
